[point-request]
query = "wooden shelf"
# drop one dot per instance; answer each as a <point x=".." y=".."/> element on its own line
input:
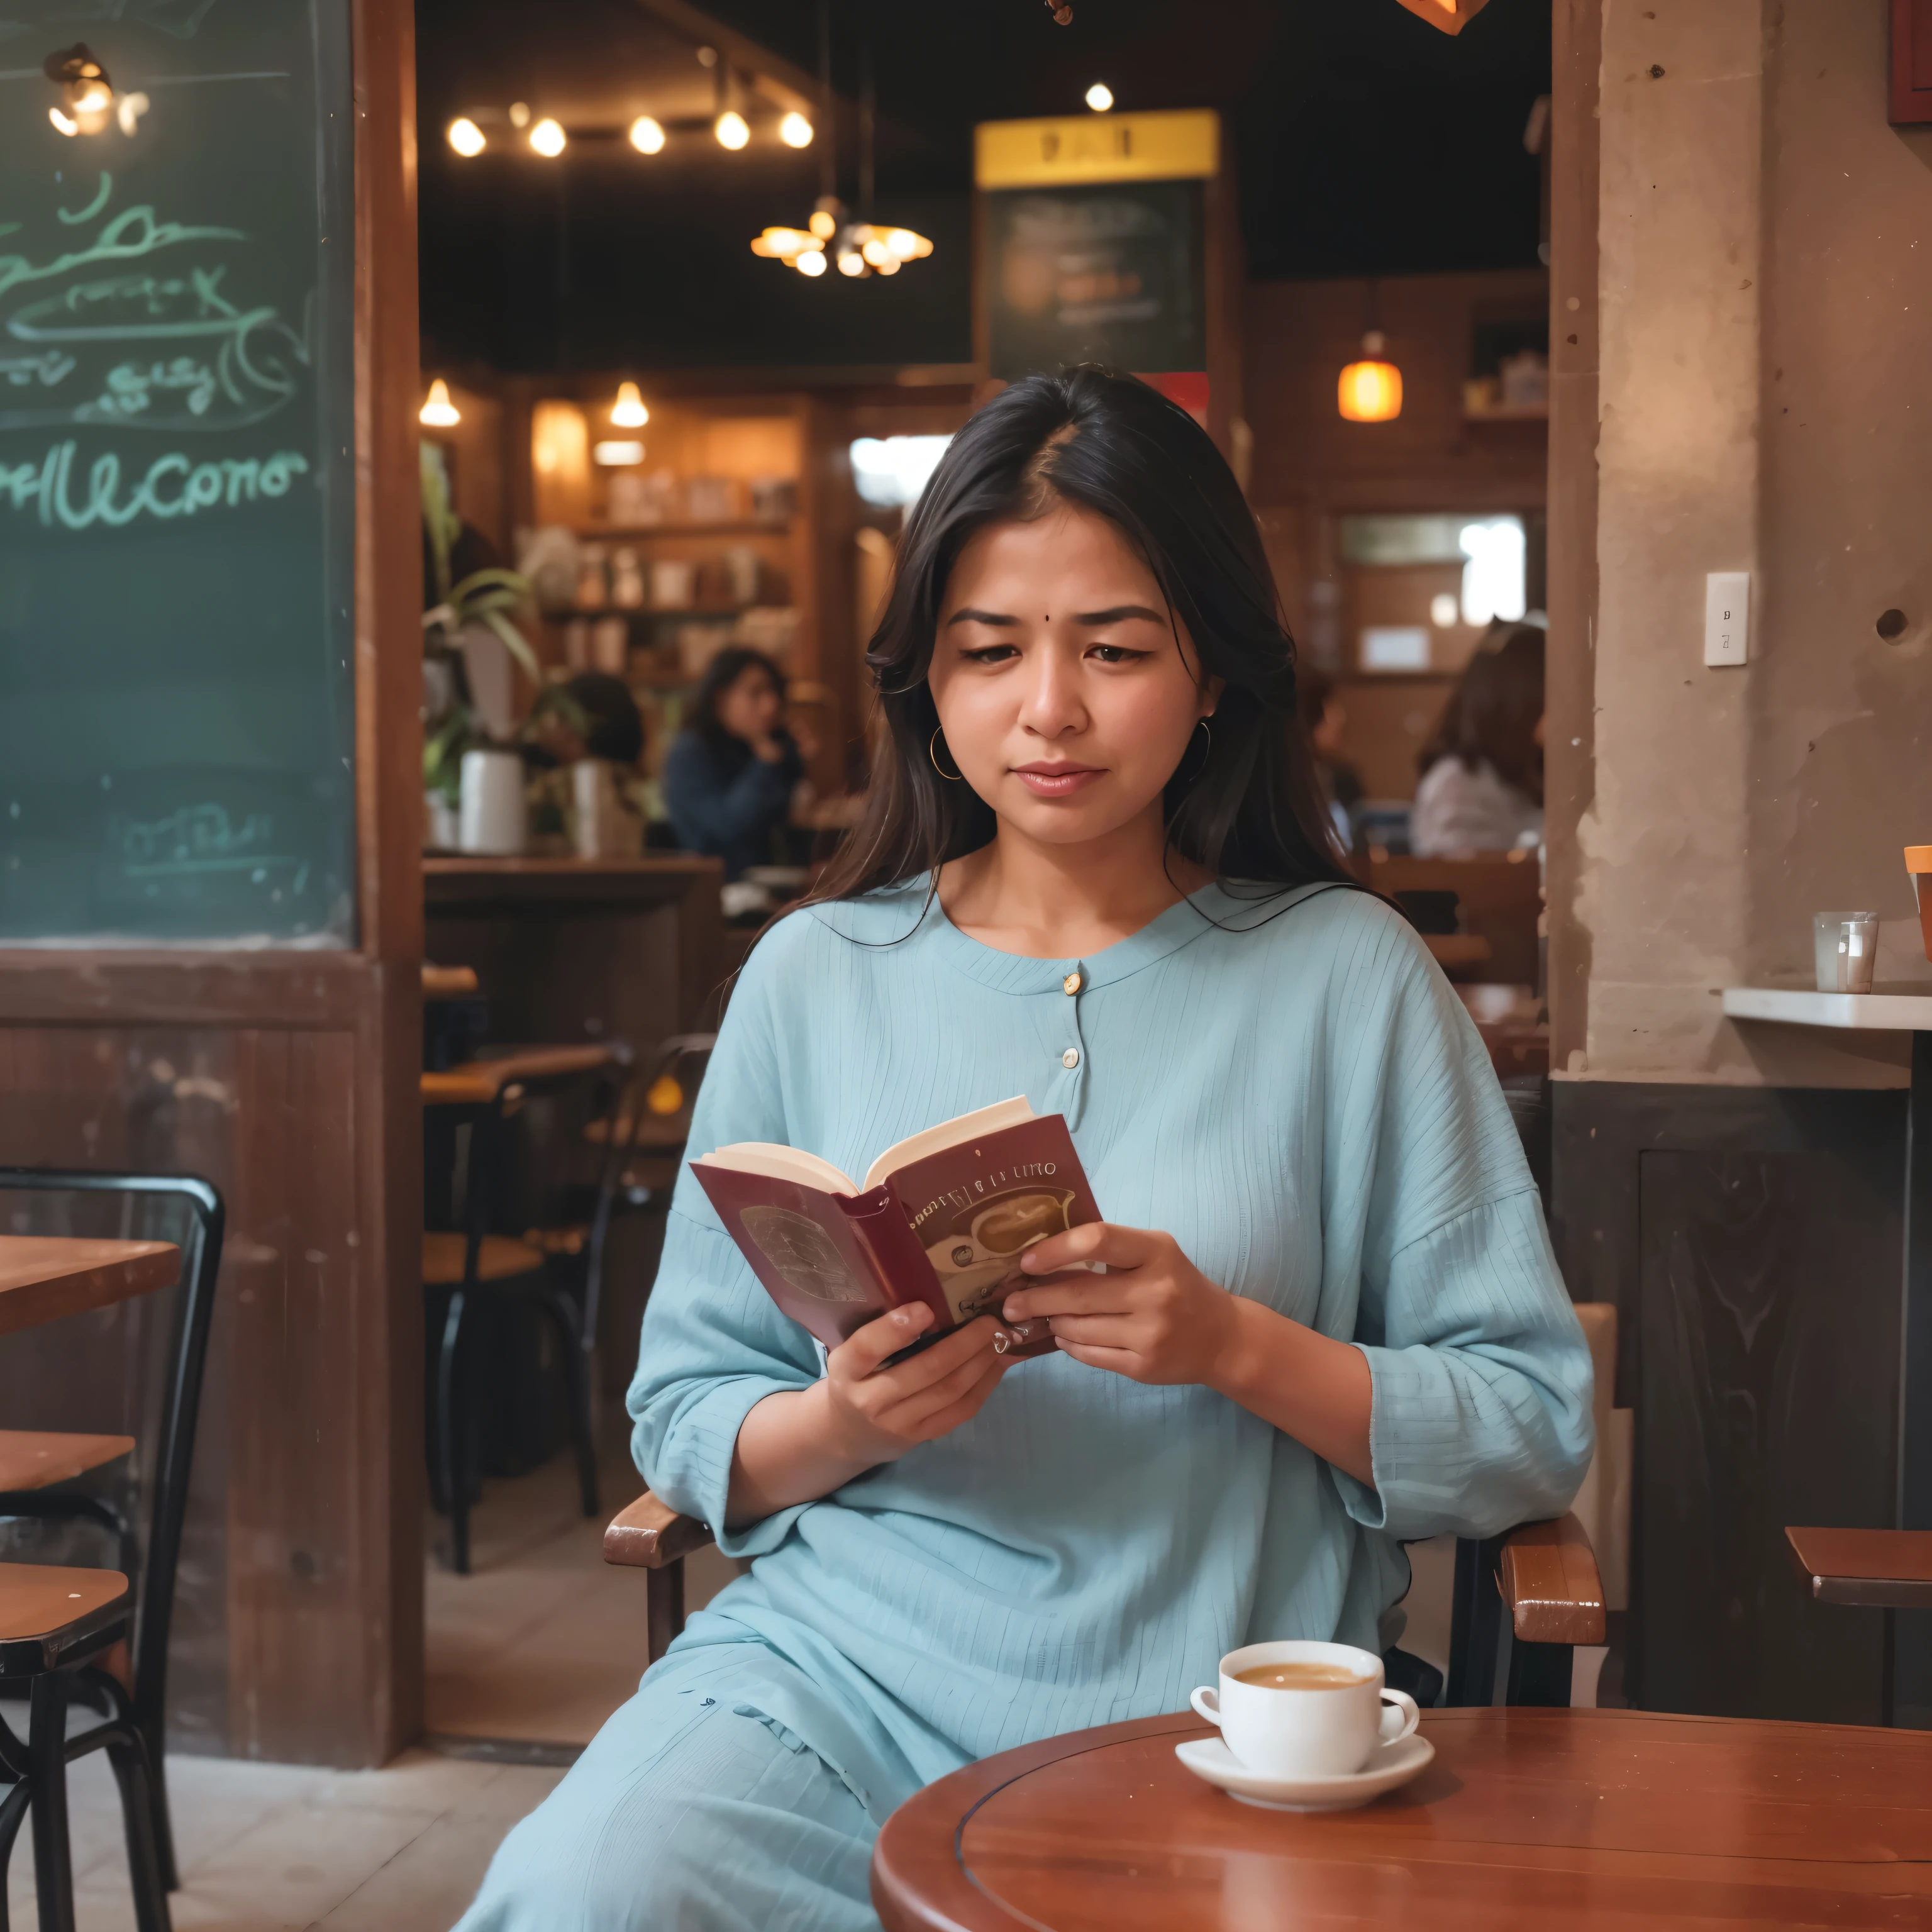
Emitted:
<point x="714" y="611"/>
<point x="1875" y="1013"/>
<point x="1509" y="412"/>
<point x="729" y="526"/>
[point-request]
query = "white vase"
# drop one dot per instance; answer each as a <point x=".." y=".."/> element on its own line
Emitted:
<point x="493" y="817"/>
<point x="442" y="824"/>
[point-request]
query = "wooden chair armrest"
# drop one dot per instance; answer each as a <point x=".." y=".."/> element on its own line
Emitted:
<point x="648" y="1535"/>
<point x="1547" y="1574"/>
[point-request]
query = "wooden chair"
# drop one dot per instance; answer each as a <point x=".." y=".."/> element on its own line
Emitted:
<point x="1499" y="901"/>
<point x="128" y="1686"/>
<point x="1543" y="1573"/>
<point x="58" y="1626"/>
<point x="479" y="1258"/>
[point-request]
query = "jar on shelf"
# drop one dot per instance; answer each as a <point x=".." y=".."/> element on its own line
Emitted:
<point x="627" y="580"/>
<point x="593" y="587"/>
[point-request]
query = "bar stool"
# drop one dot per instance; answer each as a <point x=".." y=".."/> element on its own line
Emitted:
<point x="479" y="1259"/>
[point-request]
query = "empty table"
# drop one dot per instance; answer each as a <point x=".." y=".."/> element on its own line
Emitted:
<point x="43" y="1277"/>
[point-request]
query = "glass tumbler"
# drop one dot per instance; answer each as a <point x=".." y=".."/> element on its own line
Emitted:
<point x="1845" y="946"/>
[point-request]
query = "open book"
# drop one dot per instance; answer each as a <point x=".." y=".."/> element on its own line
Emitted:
<point x="942" y="1218"/>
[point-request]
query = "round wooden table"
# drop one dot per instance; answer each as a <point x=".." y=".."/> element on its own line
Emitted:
<point x="1542" y="1818"/>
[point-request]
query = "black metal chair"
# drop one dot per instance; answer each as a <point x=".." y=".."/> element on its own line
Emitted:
<point x="68" y="1662"/>
<point x="481" y="1257"/>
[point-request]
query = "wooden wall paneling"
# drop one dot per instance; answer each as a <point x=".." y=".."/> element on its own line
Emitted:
<point x="1770" y="1312"/>
<point x="1750" y="1238"/>
<point x="386" y="1500"/>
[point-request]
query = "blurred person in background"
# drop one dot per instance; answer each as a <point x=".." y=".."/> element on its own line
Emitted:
<point x="1341" y="789"/>
<point x="1482" y="772"/>
<point x="731" y="773"/>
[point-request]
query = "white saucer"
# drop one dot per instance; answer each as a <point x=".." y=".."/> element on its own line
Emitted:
<point x="1393" y="1764"/>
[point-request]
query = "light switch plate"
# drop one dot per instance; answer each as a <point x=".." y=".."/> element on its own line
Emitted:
<point x="1726" y="617"/>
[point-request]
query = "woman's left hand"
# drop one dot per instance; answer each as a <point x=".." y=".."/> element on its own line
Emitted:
<point x="1153" y="1317"/>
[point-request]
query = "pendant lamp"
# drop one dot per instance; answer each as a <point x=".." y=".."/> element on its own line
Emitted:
<point x="1451" y="15"/>
<point x="1370" y="391"/>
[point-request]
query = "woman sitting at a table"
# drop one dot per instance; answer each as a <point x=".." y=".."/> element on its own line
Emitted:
<point x="1482" y="772"/>
<point x="1094" y="868"/>
<point x="731" y="772"/>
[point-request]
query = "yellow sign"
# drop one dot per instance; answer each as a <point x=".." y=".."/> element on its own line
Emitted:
<point x="1181" y="145"/>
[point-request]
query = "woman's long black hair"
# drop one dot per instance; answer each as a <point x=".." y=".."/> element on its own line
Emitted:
<point x="1244" y="801"/>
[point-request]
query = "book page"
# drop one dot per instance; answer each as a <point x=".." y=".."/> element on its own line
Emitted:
<point x="949" y="1133"/>
<point x="782" y="1163"/>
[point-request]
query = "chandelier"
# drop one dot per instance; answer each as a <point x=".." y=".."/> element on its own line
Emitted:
<point x="860" y="248"/>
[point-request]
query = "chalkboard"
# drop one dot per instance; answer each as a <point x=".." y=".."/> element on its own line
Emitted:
<point x="177" y="507"/>
<point x="1106" y="274"/>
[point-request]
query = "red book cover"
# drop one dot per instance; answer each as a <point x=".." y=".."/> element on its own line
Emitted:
<point x="947" y="1227"/>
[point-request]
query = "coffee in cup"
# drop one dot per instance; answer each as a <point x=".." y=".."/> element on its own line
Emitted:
<point x="1303" y="1709"/>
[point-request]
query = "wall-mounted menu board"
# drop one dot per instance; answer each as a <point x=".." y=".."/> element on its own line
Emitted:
<point x="176" y="478"/>
<point x="1093" y="241"/>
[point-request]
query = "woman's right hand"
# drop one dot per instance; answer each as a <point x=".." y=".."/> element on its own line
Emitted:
<point x="796" y="1447"/>
<point x="879" y="1414"/>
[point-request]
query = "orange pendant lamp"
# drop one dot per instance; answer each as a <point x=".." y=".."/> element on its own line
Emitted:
<point x="1451" y="15"/>
<point x="1370" y="390"/>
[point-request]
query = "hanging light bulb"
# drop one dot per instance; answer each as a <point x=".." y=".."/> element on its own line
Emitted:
<point x="628" y="411"/>
<point x="548" y="139"/>
<point x="795" y="131"/>
<point x="811" y="262"/>
<point x="87" y="96"/>
<point x="465" y="137"/>
<point x="851" y="262"/>
<point x="1099" y="97"/>
<point x="647" y="136"/>
<point x="1370" y="390"/>
<point x="731" y="129"/>
<point x="438" y="412"/>
<point x="824" y="222"/>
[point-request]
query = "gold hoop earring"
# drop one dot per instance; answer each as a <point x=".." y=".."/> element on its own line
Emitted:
<point x="932" y="752"/>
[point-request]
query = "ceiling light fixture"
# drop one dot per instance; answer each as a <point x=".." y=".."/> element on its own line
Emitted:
<point x="548" y="139"/>
<point x="861" y="247"/>
<point x="628" y="411"/>
<point x="438" y="412"/>
<point x="731" y="129"/>
<point x="1370" y="390"/>
<point x="466" y="137"/>
<point x="520" y="114"/>
<point x="86" y="93"/>
<point x="647" y="136"/>
<point x="1099" y="97"/>
<point x="795" y="131"/>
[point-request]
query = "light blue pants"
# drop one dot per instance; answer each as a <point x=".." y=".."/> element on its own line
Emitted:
<point x="684" y="1815"/>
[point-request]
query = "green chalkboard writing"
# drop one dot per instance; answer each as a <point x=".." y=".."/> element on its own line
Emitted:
<point x="177" y="508"/>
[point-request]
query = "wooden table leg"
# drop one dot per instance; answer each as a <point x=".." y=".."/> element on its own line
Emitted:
<point x="1910" y="1645"/>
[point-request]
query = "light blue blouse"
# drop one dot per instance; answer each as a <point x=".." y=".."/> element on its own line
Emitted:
<point x="1288" y="1086"/>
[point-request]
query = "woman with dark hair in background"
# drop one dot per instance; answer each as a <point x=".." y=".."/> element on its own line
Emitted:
<point x="1094" y="868"/>
<point x="1482" y="772"/>
<point x="731" y="772"/>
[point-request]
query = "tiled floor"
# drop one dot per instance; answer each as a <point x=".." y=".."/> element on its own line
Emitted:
<point x="543" y="1639"/>
<point x="538" y="1645"/>
<point x="263" y="1847"/>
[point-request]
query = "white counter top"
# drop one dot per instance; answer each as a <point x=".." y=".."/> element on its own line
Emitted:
<point x="1872" y="1013"/>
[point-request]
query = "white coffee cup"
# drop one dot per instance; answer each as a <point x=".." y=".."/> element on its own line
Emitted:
<point x="1321" y="1731"/>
